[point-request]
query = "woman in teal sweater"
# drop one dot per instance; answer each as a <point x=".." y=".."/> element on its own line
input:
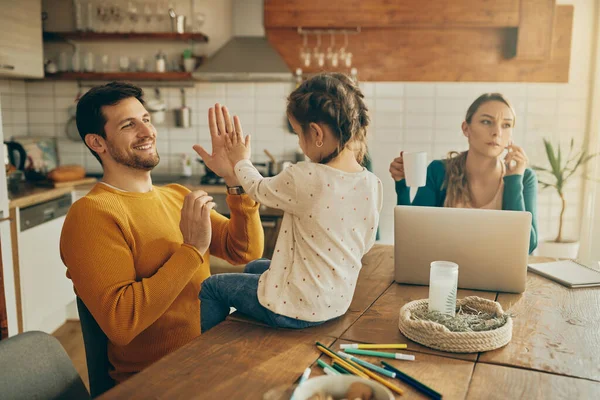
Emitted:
<point x="479" y="177"/>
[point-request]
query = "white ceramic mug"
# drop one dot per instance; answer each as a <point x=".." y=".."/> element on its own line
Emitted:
<point x="415" y="168"/>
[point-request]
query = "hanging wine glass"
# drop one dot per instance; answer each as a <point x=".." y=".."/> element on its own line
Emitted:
<point x="329" y="54"/>
<point x="342" y="51"/>
<point x="305" y="55"/>
<point x="318" y="55"/>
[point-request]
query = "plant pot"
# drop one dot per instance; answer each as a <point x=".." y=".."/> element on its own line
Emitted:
<point x="558" y="250"/>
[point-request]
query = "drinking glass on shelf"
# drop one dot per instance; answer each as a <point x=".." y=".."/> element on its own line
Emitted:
<point x="105" y="62"/>
<point x="124" y="63"/>
<point x="147" y="11"/>
<point x="133" y="14"/>
<point x="140" y="64"/>
<point x="198" y="21"/>
<point x="162" y="12"/>
<point x="101" y="16"/>
<point x="117" y="16"/>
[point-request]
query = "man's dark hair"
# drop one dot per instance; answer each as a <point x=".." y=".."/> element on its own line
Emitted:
<point x="89" y="117"/>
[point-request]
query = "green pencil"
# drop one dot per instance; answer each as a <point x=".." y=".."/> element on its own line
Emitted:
<point x="397" y="356"/>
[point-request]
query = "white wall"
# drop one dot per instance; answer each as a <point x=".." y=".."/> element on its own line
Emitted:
<point x="406" y="116"/>
<point x="590" y="250"/>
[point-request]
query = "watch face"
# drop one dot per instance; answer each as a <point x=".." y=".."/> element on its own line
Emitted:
<point x="235" y="190"/>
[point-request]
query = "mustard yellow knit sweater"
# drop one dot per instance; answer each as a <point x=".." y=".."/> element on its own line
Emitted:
<point x="124" y="253"/>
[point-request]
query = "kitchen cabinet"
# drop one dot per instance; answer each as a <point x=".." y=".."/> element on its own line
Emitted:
<point x="385" y="13"/>
<point x="437" y="40"/>
<point x="21" y="49"/>
<point x="3" y="312"/>
<point x="45" y="291"/>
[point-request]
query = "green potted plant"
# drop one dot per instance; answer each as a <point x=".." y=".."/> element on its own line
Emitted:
<point x="557" y="177"/>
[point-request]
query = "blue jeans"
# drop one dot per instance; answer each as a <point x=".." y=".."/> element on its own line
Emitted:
<point x="222" y="291"/>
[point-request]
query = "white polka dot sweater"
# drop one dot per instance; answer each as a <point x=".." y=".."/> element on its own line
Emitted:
<point x="330" y="221"/>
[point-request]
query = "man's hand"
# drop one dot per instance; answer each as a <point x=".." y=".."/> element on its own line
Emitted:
<point x="195" y="220"/>
<point x="220" y="124"/>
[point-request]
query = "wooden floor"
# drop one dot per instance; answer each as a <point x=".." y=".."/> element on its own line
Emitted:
<point x="69" y="335"/>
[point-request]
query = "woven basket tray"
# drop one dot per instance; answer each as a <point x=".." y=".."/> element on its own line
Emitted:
<point x="437" y="336"/>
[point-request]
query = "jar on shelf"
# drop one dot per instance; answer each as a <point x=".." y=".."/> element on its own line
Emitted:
<point x="161" y="61"/>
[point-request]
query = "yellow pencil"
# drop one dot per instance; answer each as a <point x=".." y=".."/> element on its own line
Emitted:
<point x="371" y="346"/>
<point x="342" y="362"/>
<point x="376" y="377"/>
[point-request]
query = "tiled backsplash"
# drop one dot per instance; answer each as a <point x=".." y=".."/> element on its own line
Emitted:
<point x="405" y="116"/>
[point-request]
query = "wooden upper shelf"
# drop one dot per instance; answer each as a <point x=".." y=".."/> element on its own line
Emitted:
<point x="386" y="13"/>
<point x="98" y="36"/>
<point x="121" y="76"/>
<point x="434" y="40"/>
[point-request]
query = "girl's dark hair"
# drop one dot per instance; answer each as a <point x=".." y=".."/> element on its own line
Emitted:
<point x="89" y="116"/>
<point x="333" y="99"/>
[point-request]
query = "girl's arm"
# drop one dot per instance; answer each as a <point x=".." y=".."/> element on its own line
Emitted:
<point x="276" y="192"/>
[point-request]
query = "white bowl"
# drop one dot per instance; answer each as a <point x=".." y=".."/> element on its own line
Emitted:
<point x="337" y="386"/>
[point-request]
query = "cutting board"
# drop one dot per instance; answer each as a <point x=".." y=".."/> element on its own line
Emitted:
<point x="77" y="182"/>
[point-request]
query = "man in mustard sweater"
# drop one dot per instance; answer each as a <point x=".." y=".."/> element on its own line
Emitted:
<point x="137" y="254"/>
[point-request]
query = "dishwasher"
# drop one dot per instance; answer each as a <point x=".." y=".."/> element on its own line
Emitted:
<point x="45" y="290"/>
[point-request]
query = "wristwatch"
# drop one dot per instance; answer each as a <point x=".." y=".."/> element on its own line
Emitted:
<point x="235" y="190"/>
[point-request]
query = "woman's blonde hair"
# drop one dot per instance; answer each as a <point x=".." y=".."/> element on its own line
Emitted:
<point x="457" y="186"/>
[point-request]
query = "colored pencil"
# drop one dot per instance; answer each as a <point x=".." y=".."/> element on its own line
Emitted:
<point x="413" y="382"/>
<point x="327" y="368"/>
<point x="367" y="364"/>
<point x="339" y="368"/>
<point x="324" y="349"/>
<point x="371" y="346"/>
<point x="397" y="356"/>
<point x="376" y="377"/>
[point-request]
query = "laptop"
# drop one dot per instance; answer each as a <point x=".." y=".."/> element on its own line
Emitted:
<point x="490" y="247"/>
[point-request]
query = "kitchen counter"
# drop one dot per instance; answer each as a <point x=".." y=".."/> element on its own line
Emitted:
<point x="31" y="194"/>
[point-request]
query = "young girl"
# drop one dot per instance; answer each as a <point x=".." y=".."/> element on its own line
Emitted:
<point x="331" y="211"/>
<point x="480" y="177"/>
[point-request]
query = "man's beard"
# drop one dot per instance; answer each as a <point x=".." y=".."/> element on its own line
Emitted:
<point x="134" y="160"/>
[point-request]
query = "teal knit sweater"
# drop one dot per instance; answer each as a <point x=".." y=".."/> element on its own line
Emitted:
<point x="520" y="194"/>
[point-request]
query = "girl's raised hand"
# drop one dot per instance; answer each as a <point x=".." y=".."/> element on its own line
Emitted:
<point x="237" y="146"/>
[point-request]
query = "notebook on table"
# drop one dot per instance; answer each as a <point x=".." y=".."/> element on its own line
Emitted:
<point x="568" y="273"/>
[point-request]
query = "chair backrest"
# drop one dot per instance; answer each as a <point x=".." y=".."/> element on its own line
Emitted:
<point x="96" y="352"/>
<point x="35" y="366"/>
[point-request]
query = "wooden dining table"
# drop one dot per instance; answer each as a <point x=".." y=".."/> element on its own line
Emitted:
<point x="554" y="352"/>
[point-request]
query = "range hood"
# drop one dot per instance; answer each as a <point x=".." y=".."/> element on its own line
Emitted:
<point x="248" y="56"/>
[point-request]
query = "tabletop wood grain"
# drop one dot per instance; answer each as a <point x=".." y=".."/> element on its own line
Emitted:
<point x="556" y="329"/>
<point x="233" y="360"/>
<point x="556" y="343"/>
<point x="493" y="382"/>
